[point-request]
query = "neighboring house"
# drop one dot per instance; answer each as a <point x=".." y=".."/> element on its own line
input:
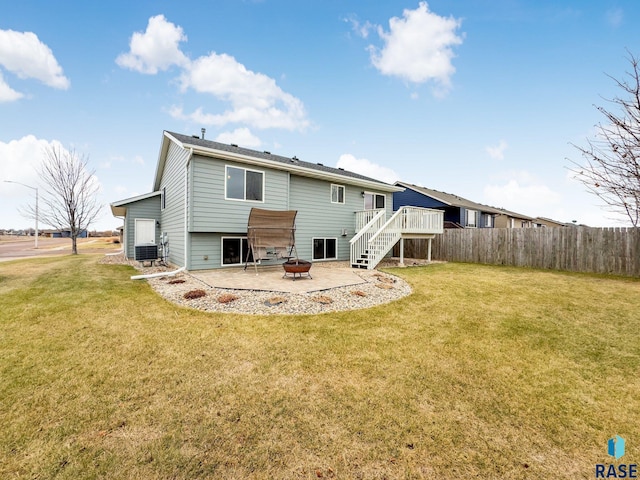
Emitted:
<point x="507" y="219"/>
<point x="548" y="222"/>
<point x="203" y="192"/>
<point x="458" y="212"/>
<point x="67" y="234"/>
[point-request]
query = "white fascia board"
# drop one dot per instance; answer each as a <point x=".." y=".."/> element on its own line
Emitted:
<point x="119" y="208"/>
<point x="162" y="156"/>
<point x="293" y="168"/>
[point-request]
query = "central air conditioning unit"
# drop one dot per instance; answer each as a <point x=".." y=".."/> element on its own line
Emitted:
<point x="146" y="252"/>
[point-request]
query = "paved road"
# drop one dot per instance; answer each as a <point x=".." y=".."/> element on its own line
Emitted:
<point x="21" y="248"/>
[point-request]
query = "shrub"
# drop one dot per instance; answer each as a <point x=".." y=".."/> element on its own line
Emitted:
<point x="323" y="299"/>
<point x="275" y="301"/>
<point x="227" y="298"/>
<point x="193" y="294"/>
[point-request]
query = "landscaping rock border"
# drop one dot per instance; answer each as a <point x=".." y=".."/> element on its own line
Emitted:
<point x="380" y="288"/>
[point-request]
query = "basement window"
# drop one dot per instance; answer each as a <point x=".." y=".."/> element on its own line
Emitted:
<point x="325" y="248"/>
<point x="235" y="250"/>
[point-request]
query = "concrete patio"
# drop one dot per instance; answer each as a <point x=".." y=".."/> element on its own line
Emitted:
<point x="270" y="278"/>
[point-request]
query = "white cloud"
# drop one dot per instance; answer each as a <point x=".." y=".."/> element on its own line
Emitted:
<point x="367" y="168"/>
<point x="255" y="98"/>
<point x="20" y="161"/>
<point x="240" y="136"/>
<point x="138" y="159"/>
<point x="23" y="54"/>
<point x="418" y="47"/>
<point x="497" y="152"/>
<point x="155" y="49"/>
<point x="360" y="29"/>
<point x="523" y="193"/>
<point x="8" y="94"/>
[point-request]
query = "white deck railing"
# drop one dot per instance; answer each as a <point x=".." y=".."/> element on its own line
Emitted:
<point x="374" y="241"/>
<point x="359" y="243"/>
<point x="365" y="216"/>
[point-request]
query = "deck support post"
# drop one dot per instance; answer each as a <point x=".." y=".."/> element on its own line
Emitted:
<point x="401" y="251"/>
<point x="429" y="251"/>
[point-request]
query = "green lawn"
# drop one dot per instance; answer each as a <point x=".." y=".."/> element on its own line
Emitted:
<point x="483" y="372"/>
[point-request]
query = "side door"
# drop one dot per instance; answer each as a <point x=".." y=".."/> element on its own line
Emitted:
<point x="145" y="231"/>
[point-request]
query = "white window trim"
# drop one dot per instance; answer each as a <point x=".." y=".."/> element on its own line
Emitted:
<point x="325" y="249"/>
<point x="222" y="239"/>
<point x="466" y="220"/>
<point x="375" y="194"/>
<point x="264" y="181"/>
<point x="163" y="198"/>
<point x="344" y="193"/>
<point x="488" y="221"/>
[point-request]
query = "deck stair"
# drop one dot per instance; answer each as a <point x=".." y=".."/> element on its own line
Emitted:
<point x="378" y="236"/>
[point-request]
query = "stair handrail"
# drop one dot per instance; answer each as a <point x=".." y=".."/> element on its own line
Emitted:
<point x="364" y="229"/>
<point x="359" y="242"/>
<point x="403" y="211"/>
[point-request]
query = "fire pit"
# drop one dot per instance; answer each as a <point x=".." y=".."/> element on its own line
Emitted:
<point x="296" y="267"/>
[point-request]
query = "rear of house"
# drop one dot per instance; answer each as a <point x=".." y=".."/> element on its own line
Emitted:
<point x="203" y="192"/>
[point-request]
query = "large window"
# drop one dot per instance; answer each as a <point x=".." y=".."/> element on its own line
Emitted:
<point x="325" y="248"/>
<point x="373" y="200"/>
<point x="235" y="250"/>
<point x="243" y="184"/>
<point x="337" y="193"/>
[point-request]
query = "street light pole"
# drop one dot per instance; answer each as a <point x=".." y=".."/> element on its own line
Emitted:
<point x="32" y="188"/>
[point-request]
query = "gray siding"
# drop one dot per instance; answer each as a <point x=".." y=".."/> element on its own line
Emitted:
<point x="172" y="217"/>
<point x="318" y="217"/>
<point x="211" y="212"/>
<point x="205" y="245"/>
<point x="147" y="208"/>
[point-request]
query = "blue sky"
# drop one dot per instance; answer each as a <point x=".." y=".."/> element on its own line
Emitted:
<point x="474" y="97"/>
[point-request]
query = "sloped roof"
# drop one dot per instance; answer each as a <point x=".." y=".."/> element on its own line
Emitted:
<point x="119" y="208"/>
<point x="245" y="155"/>
<point x="449" y="198"/>
<point x="457" y="201"/>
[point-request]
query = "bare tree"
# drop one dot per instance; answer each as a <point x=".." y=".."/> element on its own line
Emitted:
<point x="611" y="168"/>
<point x="70" y="198"/>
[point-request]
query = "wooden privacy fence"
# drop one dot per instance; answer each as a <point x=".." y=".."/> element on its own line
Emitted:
<point x="576" y="249"/>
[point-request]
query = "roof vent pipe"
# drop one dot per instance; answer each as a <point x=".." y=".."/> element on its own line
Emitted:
<point x="203" y="130"/>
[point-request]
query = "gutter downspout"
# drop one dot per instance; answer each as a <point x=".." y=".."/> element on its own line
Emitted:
<point x="159" y="274"/>
<point x="186" y="210"/>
